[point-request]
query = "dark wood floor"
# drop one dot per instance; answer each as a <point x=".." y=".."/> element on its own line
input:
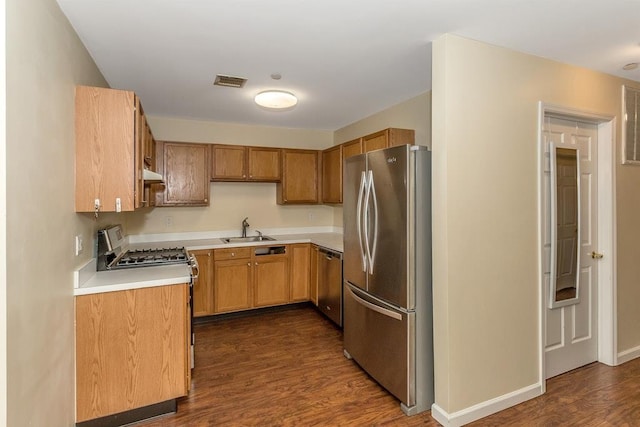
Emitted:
<point x="286" y="368"/>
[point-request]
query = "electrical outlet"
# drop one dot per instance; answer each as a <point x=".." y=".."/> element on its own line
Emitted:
<point x="311" y="217"/>
<point x="168" y="222"/>
<point x="78" y="244"/>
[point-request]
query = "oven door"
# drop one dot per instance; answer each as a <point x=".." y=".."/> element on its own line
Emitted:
<point x="195" y="271"/>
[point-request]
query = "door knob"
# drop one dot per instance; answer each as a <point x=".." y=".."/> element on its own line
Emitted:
<point x="596" y="255"/>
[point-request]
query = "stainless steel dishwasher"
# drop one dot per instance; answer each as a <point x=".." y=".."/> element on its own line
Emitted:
<point x="330" y="284"/>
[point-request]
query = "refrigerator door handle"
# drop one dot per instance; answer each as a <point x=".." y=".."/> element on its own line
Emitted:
<point x="372" y="252"/>
<point x="366" y="220"/>
<point x="376" y="308"/>
<point x="359" y="219"/>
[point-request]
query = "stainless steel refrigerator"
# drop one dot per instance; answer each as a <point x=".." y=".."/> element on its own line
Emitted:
<point x="388" y="321"/>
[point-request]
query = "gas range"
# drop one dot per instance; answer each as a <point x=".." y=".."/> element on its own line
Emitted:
<point x="150" y="257"/>
<point x="112" y="256"/>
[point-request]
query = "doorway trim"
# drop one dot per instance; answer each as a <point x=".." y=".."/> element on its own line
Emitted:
<point x="607" y="324"/>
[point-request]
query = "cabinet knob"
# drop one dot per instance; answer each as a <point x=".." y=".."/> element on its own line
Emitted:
<point x="256" y="263"/>
<point x="233" y="254"/>
<point x="248" y="264"/>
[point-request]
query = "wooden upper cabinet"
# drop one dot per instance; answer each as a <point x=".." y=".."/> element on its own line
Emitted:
<point x="229" y="163"/>
<point x="109" y="127"/>
<point x="388" y="138"/>
<point x="332" y="175"/>
<point x="300" y="177"/>
<point x="185" y="168"/>
<point x="351" y="148"/>
<point x="264" y="164"/>
<point x="242" y="163"/>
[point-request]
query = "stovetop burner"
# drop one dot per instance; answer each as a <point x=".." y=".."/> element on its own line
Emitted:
<point x="113" y="256"/>
<point x="151" y="257"/>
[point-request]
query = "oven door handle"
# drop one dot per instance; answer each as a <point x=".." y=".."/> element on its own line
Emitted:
<point x="195" y="268"/>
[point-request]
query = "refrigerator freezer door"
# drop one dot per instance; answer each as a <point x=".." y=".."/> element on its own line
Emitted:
<point x="386" y="351"/>
<point x="355" y="261"/>
<point x="389" y="280"/>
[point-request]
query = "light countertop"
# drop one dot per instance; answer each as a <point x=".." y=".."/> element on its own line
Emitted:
<point x="134" y="278"/>
<point x="328" y="240"/>
<point x="89" y="281"/>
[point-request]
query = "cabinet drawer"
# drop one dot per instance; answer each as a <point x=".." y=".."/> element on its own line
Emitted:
<point x="232" y="253"/>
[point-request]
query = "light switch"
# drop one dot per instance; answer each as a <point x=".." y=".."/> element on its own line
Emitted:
<point x="78" y="244"/>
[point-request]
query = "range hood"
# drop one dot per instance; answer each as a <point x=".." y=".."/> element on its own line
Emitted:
<point x="151" y="176"/>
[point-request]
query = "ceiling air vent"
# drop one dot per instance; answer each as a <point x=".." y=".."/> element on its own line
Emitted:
<point x="229" y="81"/>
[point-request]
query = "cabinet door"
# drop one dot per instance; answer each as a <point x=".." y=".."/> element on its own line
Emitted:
<point x="313" y="274"/>
<point x="351" y="148"/>
<point x="271" y="280"/>
<point x="388" y="138"/>
<point x="139" y="149"/>
<point x="120" y="337"/>
<point x="401" y="137"/>
<point x="264" y="164"/>
<point x="105" y="154"/>
<point x="300" y="258"/>
<point x="299" y="177"/>
<point x="375" y="141"/>
<point x="232" y="285"/>
<point x="229" y="163"/>
<point x="203" y="285"/>
<point x="332" y="175"/>
<point x="186" y="174"/>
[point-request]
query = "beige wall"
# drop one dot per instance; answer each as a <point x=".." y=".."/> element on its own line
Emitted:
<point x="414" y="113"/>
<point x="231" y="202"/>
<point x="3" y="221"/>
<point x="45" y="59"/>
<point x="485" y="214"/>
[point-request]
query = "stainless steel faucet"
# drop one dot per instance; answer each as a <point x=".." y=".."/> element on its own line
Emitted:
<point x="245" y="225"/>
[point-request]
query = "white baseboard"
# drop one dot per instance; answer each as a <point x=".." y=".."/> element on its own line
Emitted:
<point x="481" y="410"/>
<point x="627" y="355"/>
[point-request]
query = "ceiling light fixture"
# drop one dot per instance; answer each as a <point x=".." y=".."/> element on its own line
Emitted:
<point x="276" y="99"/>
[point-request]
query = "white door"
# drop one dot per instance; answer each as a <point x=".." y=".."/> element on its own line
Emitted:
<point x="571" y="330"/>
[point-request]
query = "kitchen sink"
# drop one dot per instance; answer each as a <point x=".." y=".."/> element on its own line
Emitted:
<point x="247" y="239"/>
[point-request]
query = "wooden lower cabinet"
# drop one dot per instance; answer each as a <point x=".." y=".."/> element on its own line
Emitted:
<point x="203" y="285"/>
<point x="313" y="273"/>
<point x="300" y="256"/>
<point x="271" y="280"/>
<point x="232" y="284"/>
<point x="132" y="349"/>
<point x="260" y="276"/>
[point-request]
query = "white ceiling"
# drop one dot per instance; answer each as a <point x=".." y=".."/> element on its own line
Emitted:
<point x="344" y="59"/>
